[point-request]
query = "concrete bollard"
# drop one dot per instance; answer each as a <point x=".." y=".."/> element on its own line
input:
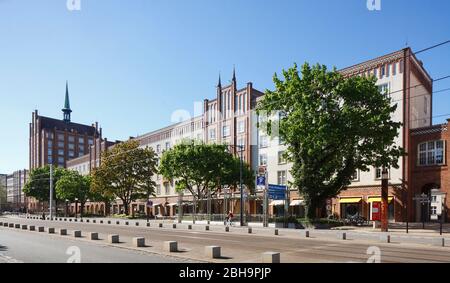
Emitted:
<point x="24" y="227"/>
<point x="170" y="246"/>
<point x="109" y="222"/>
<point x="126" y="223"/>
<point x="212" y="252"/>
<point x="139" y="242"/>
<point x="101" y="221"/>
<point x="81" y="220"/>
<point x="17" y="226"/>
<point x="160" y="225"/>
<point x="93" y="236"/>
<point x="117" y="222"/>
<point x="11" y="225"/>
<point x="113" y="239"/>
<point x="439" y="242"/>
<point x="87" y="220"/>
<point x="385" y="238"/>
<point x="32" y="228"/>
<point x="276" y="232"/>
<point x="249" y="230"/>
<point x="51" y="230"/>
<point x="77" y="234"/>
<point x="174" y="226"/>
<point x="271" y="257"/>
<point x="148" y="224"/>
<point x="5" y="224"/>
<point x="40" y="229"/>
<point x="65" y="219"/>
<point x="342" y="236"/>
<point x="189" y="227"/>
<point x="305" y="233"/>
<point x="63" y="232"/>
<point x="94" y="221"/>
<point x="137" y="223"/>
<point x="70" y="220"/>
<point x="206" y="228"/>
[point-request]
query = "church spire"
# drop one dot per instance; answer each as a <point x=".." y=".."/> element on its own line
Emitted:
<point x="220" y="82"/>
<point x="234" y="73"/>
<point x="66" y="110"/>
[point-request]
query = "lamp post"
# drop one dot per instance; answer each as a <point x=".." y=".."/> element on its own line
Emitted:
<point x="67" y="207"/>
<point x="76" y="208"/>
<point x="384" y="199"/>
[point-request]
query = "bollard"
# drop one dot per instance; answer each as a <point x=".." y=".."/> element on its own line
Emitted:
<point x="87" y="220"/>
<point x="385" y="238"/>
<point x="94" y="221"/>
<point x="41" y="229"/>
<point x="249" y="230"/>
<point x="439" y="242"/>
<point x="77" y="234"/>
<point x="227" y="229"/>
<point x="271" y="257"/>
<point x="24" y="227"/>
<point x="137" y="223"/>
<point x="207" y="228"/>
<point x="276" y="232"/>
<point x="5" y="224"/>
<point x="70" y="220"/>
<point x="170" y="246"/>
<point x="113" y="239"/>
<point x="305" y="233"/>
<point x="160" y="225"/>
<point x="117" y="222"/>
<point x="148" y="224"/>
<point x="32" y="228"/>
<point x="126" y="223"/>
<point x="76" y="220"/>
<point x="17" y="226"/>
<point x="109" y="222"/>
<point x="93" y="236"/>
<point x="11" y="225"/>
<point x="63" y="232"/>
<point x="51" y="230"/>
<point x="174" y="226"/>
<point x="65" y="219"/>
<point x="139" y="242"/>
<point x="101" y="221"/>
<point x="342" y="236"/>
<point x="189" y="227"/>
<point x="212" y="251"/>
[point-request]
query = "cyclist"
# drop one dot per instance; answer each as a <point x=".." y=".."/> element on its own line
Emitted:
<point x="229" y="219"/>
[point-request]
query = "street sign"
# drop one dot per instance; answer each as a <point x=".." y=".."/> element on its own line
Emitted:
<point x="262" y="170"/>
<point x="277" y="192"/>
<point x="261" y="181"/>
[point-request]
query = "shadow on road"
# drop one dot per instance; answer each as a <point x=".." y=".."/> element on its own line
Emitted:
<point x="3" y="248"/>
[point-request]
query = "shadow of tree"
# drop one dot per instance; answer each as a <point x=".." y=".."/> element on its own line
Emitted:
<point x="3" y="248"/>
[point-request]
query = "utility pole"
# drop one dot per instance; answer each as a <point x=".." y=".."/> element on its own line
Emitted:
<point x="51" y="192"/>
<point x="384" y="199"/>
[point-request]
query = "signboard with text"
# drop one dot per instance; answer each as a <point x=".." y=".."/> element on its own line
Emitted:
<point x="277" y="192"/>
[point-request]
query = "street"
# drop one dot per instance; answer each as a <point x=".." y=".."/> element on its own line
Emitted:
<point x="237" y="247"/>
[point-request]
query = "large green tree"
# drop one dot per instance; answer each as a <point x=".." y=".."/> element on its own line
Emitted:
<point x="333" y="126"/>
<point x="126" y="172"/>
<point x="74" y="187"/>
<point x="202" y="168"/>
<point x="38" y="185"/>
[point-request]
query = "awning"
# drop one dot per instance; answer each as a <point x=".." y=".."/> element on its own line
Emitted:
<point x="172" y="204"/>
<point x="350" y="200"/>
<point x="378" y="199"/>
<point x="296" y="202"/>
<point x="156" y="203"/>
<point x="277" y="202"/>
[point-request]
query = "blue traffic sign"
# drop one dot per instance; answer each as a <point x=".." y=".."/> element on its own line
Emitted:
<point x="261" y="181"/>
<point x="277" y="192"/>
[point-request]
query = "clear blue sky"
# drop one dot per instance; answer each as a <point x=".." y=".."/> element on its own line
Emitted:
<point x="131" y="63"/>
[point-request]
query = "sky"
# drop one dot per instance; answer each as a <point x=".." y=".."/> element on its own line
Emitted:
<point x="131" y="64"/>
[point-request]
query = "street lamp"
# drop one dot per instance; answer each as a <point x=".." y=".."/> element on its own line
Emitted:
<point x="67" y="207"/>
<point x="76" y="208"/>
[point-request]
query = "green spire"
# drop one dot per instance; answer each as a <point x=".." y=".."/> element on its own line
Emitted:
<point x="66" y="110"/>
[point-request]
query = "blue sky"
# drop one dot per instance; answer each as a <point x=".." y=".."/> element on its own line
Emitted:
<point x="130" y="64"/>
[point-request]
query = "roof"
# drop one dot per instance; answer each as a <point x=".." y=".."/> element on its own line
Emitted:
<point x="430" y="130"/>
<point x="51" y="123"/>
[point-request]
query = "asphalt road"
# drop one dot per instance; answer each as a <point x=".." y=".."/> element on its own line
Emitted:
<point x="17" y="246"/>
<point x="236" y="246"/>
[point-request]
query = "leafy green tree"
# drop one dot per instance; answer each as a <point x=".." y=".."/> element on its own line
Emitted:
<point x="201" y="169"/>
<point x="126" y="172"/>
<point x="38" y="185"/>
<point x="100" y="191"/>
<point x="332" y="126"/>
<point x="72" y="186"/>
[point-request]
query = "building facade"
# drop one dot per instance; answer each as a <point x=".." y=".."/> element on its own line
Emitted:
<point x="15" y="197"/>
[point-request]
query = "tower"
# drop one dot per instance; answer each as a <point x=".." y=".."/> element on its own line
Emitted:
<point x="66" y="110"/>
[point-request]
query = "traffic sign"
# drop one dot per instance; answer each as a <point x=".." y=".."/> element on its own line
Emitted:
<point x="277" y="192"/>
<point x="261" y="181"/>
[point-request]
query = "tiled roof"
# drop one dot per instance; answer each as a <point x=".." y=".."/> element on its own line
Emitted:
<point x="51" y="123"/>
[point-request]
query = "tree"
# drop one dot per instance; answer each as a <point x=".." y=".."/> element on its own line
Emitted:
<point x="201" y="169"/>
<point x="74" y="187"/>
<point x="38" y="185"/>
<point x="332" y="126"/>
<point x="100" y="191"/>
<point x="126" y="172"/>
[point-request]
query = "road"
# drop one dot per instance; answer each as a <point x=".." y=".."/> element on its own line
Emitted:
<point x="236" y="246"/>
<point x="17" y="246"/>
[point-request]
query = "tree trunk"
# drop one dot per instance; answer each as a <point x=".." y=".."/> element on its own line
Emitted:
<point x="126" y="208"/>
<point x="107" y="208"/>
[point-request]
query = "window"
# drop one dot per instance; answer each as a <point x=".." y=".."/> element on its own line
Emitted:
<point x="433" y="210"/>
<point x="167" y="145"/>
<point x="425" y="104"/>
<point x="281" y="159"/>
<point x="431" y="153"/>
<point x="377" y="173"/>
<point x="226" y="131"/>
<point x="241" y="127"/>
<point x="71" y="139"/>
<point x="263" y="159"/>
<point x="61" y="152"/>
<point x="50" y="160"/>
<point x="50" y="152"/>
<point x="61" y="144"/>
<point x="281" y="178"/>
<point x="375" y="73"/>
<point x="167" y="188"/>
<point x="383" y="71"/>
<point x="81" y="140"/>
<point x="394" y="69"/>
<point x="355" y="176"/>
<point x="280" y="140"/>
<point x="50" y="143"/>
<point x="401" y="66"/>
<point x="71" y="153"/>
<point x="384" y="89"/>
<point x="158" y="189"/>
<point x="61" y="160"/>
<point x="90" y="141"/>
<point x="388" y="70"/>
<point x="71" y="146"/>
<point x="212" y="134"/>
<point x="61" y="137"/>
<point x="158" y="148"/>
<point x="263" y="141"/>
